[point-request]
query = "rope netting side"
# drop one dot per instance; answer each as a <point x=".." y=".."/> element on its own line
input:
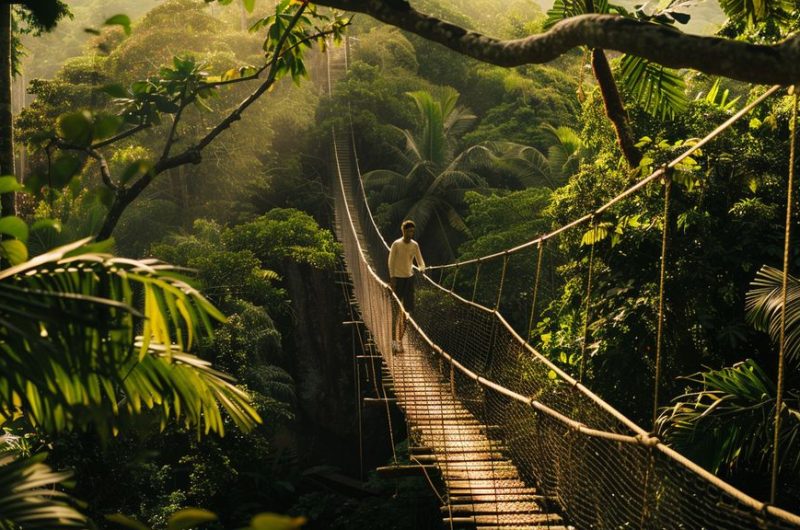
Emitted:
<point x="600" y="481"/>
<point x="597" y="465"/>
<point x="603" y="470"/>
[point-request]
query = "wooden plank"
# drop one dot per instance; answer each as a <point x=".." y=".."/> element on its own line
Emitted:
<point x="506" y="519"/>
<point x="509" y="507"/>
<point x="400" y="470"/>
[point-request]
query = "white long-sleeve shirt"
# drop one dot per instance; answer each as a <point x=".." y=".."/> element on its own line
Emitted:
<point x="401" y="255"/>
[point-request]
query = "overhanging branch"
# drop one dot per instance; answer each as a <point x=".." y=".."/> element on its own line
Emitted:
<point x="105" y="171"/>
<point x="776" y="64"/>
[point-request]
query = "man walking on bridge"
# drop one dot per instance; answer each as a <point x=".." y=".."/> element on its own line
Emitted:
<point x="401" y="278"/>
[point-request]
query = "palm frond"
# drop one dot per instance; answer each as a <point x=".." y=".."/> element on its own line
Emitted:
<point x="415" y="148"/>
<point x="421" y="212"/>
<point x="430" y="141"/>
<point x="382" y="177"/>
<point x="441" y="120"/>
<point x="272" y="381"/>
<point x="447" y="98"/>
<point x="763" y="305"/>
<point x="76" y="328"/>
<point x="524" y="163"/>
<point x="185" y="387"/>
<point x="563" y="9"/>
<point x="567" y="138"/>
<point x="457" y="179"/>
<point x="458" y="121"/>
<point x="455" y="220"/>
<point x="754" y="11"/>
<point x="659" y="90"/>
<point x="29" y="498"/>
<point x="728" y="420"/>
<point x="718" y="97"/>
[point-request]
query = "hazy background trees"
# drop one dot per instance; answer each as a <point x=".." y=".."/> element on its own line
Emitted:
<point x="252" y="223"/>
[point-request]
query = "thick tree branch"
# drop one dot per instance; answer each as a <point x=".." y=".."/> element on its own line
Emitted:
<point x="173" y="130"/>
<point x="214" y="84"/>
<point x="121" y="136"/>
<point x="777" y="64"/>
<point x="193" y="154"/>
<point x="236" y="114"/>
<point x="257" y="73"/>
<point x="105" y="171"/>
<point x="614" y="108"/>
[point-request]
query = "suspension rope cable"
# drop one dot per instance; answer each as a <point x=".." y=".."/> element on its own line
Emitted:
<point x="491" y="447"/>
<point x="661" y="284"/>
<point x="444" y="464"/>
<point x="759" y="511"/>
<point x="355" y="331"/>
<point x="633" y="189"/>
<point x="784" y="297"/>
<point x="385" y="398"/>
<point x="588" y="303"/>
<point x="535" y="290"/>
<point x="475" y="285"/>
<point x="502" y="281"/>
<point x="357" y="374"/>
<point x="433" y="487"/>
<point x="646" y="493"/>
<point x="455" y="275"/>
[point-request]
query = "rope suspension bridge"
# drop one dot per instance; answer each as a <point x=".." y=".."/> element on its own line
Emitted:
<point x="514" y="440"/>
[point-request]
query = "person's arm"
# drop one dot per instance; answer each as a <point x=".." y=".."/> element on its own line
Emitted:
<point x="391" y="264"/>
<point x="418" y="257"/>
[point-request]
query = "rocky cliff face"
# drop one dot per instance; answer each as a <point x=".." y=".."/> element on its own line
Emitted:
<point x="322" y="348"/>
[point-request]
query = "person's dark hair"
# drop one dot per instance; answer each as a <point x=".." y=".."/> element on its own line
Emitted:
<point x="408" y="223"/>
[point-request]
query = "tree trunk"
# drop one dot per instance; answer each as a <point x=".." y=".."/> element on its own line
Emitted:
<point x="7" y="200"/>
<point x="121" y="202"/>
<point x="615" y="110"/>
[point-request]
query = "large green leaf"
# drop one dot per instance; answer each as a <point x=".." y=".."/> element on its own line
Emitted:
<point x="754" y="11"/>
<point x="75" y="127"/>
<point x="29" y="498"/>
<point x="14" y="226"/>
<point x="728" y="420"/>
<point x="9" y="183"/>
<point x="272" y="521"/>
<point x="660" y="90"/>
<point x="14" y="251"/>
<point x="121" y="20"/>
<point x="189" y="518"/>
<point x="563" y="9"/>
<point x="79" y="330"/>
<point x="764" y="303"/>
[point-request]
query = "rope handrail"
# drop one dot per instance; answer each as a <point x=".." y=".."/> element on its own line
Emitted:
<point x="538" y="356"/>
<point x="641" y="437"/>
<point x="361" y="181"/>
<point x="767" y="515"/>
<point x="661" y="171"/>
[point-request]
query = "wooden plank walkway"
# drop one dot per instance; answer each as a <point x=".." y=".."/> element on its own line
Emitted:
<point x="484" y="489"/>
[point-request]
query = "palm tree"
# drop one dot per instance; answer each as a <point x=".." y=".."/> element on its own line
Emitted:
<point x="89" y="340"/>
<point x="437" y="177"/>
<point x="531" y="167"/>
<point x="727" y="422"/>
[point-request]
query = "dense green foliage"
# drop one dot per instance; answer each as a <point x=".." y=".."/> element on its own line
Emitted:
<point x="482" y="158"/>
